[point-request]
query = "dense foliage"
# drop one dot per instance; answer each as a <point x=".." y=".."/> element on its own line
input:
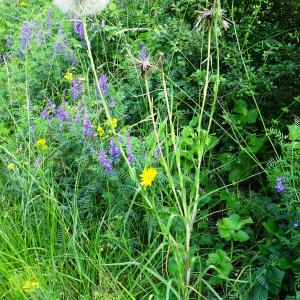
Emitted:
<point x="151" y="151"/>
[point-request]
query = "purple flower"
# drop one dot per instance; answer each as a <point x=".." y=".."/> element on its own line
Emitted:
<point x="78" y="28"/>
<point x="114" y="151"/>
<point x="76" y="88"/>
<point x="144" y="55"/>
<point x="157" y="153"/>
<point x="129" y="150"/>
<point x="37" y="162"/>
<point x="78" y="117"/>
<point x="105" y="162"/>
<point x="27" y="33"/>
<point x="52" y="106"/>
<point x="297" y="224"/>
<point x="63" y="115"/>
<point x="40" y="37"/>
<point x="8" y="39"/>
<point x="279" y="186"/>
<point x="45" y="113"/>
<point x="88" y="129"/>
<point x="104" y="85"/>
<point x="49" y="19"/>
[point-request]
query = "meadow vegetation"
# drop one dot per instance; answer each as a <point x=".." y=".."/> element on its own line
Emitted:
<point x="150" y="151"/>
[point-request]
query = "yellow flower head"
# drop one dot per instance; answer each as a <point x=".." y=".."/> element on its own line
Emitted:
<point x="148" y="176"/>
<point x="114" y="122"/>
<point x="27" y="286"/>
<point x="10" y="166"/>
<point x="69" y="76"/>
<point x="100" y="130"/>
<point x="23" y="3"/>
<point x="30" y="286"/>
<point x="41" y="143"/>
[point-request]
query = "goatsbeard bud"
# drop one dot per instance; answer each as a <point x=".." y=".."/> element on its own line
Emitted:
<point x="81" y="7"/>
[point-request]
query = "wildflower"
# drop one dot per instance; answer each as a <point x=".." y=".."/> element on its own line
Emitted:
<point x="76" y="88"/>
<point x="8" y="39"/>
<point x="103" y="84"/>
<point x="23" y="3"/>
<point x="148" y="176"/>
<point x="113" y="123"/>
<point x="114" y="151"/>
<point x="105" y="162"/>
<point x="78" y="28"/>
<point x="30" y="286"/>
<point x="40" y="37"/>
<point x="100" y="131"/>
<point x="206" y="16"/>
<point x="49" y="19"/>
<point x="129" y="150"/>
<point x="37" y="162"/>
<point x="297" y="224"/>
<point x="45" y="113"/>
<point x="88" y="129"/>
<point x="41" y="143"/>
<point x="81" y="7"/>
<point x="280" y="184"/>
<point x="63" y="115"/>
<point x="158" y="153"/>
<point x="69" y="76"/>
<point x="26" y="35"/>
<point x="143" y="62"/>
<point x="10" y="166"/>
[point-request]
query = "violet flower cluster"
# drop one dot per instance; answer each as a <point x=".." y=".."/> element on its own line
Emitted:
<point x="280" y="184"/>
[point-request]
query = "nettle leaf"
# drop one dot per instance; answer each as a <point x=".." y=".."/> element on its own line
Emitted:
<point x="241" y="107"/>
<point x="252" y="116"/>
<point x="259" y="292"/>
<point x="221" y="261"/>
<point x="230" y="228"/>
<point x="273" y="280"/>
<point x="241" y="236"/>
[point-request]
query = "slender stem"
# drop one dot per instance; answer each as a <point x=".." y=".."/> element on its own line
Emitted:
<point x="108" y="116"/>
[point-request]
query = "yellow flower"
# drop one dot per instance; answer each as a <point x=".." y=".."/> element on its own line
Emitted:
<point x="10" y="166"/>
<point x="41" y="143"/>
<point x="30" y="286"/>
<point x="35" y="284"/>
<point x="100" y="130"/>
<point x="69" y="76"/>
<point x="148" y="176"/>
<point x="27" y="286"/>
<point x="114" y="122"/>
<point x="23" y="3"/>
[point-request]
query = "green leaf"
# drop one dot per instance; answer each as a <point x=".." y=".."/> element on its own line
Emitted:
<point x="294" y="132"/>
<point x="259" y="292"/>
<point x="240" y="107"/>
<point x="270" y="226"/>
<point x="273" y="280"/>
<point x="241" y="236"/>
<point x="252" y="116"/>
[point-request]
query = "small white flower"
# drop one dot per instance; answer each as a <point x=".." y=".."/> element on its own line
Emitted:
<point x="81" y="7"/>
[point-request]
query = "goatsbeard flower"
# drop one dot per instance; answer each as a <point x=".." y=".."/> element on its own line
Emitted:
<point x="81" y="7"/>
<point x="148" y="176"/>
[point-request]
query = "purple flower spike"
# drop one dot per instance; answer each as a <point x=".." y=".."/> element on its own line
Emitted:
<point x="114" y="151"/>
<point x="63" y="115"/>
<point x="26" y="35"/>
<point x="76" y="88"/>
<point x="279" y="186"/>
<point x="78" y="28"/>
<point x="104" y="160"/>
<point x="49" y="19"/>
<point x="88" y="129"/>
<point x="104" y="85"/>
<point x="144" y="54"/>
<point x="8" y="39"/>
<point x="129" y="150"/>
